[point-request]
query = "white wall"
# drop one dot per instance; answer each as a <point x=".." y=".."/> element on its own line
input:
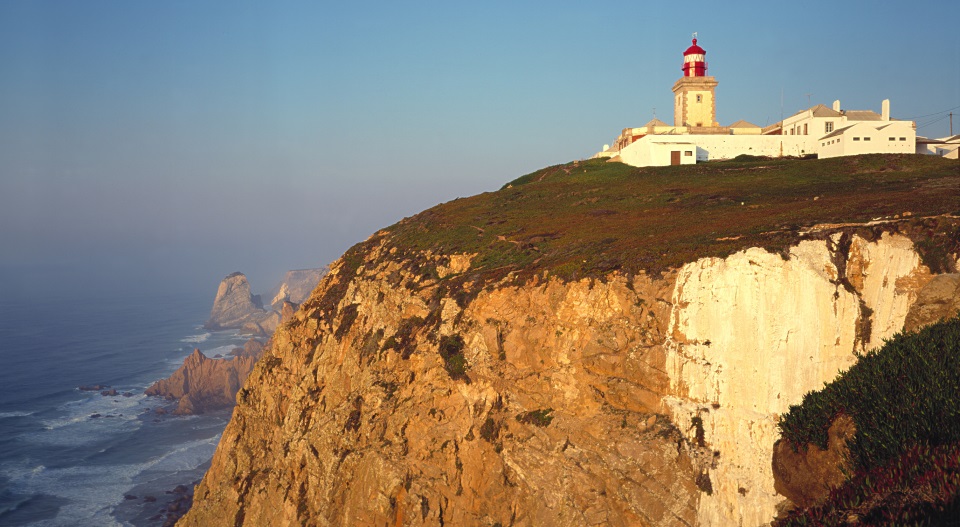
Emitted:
<point x="816" y="128"/>
<point x="716" y="147"/>
<point x="654" y="151"/>
<point x="865" y="138"/>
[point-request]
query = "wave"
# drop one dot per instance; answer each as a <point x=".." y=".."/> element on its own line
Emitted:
<point x="7" y="415"/>
<point x="86" y="494"/>
<point x="89" y="420"/>
<point x="196" y="339"/>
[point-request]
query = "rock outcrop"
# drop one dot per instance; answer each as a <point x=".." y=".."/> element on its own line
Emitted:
<point x="939" y="299"/>
<point x="806" y="475"/>
<point x="297" y="286"/>
<point x="236" y="308"/>
<point x="391" y="398"/>
<point x="251" y="348"/>
<point x="202" y="384"/>
<point x="234" y="305"/>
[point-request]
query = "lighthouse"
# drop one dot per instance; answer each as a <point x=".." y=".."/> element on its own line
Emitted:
<point x="694" y="103"/>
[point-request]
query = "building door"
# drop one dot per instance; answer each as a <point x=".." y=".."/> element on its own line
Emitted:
<point x="675" y="157"/>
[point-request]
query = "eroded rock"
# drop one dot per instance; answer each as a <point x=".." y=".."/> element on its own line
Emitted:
<point x="202" y="384"/>
<point x="806" y="475"/>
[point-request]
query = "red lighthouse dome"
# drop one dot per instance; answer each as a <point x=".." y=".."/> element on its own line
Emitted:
<point x="694" y="61"/>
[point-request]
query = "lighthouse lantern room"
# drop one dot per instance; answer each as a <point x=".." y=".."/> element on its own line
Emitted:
<point x="694" y="61"/>
<point x="694" y="103"/>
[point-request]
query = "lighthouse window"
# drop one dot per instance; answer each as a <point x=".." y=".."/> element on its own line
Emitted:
<point x="699" y="98"/>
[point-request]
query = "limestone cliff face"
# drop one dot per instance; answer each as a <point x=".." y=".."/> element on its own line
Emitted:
<point x="202" y="384"/>
<point x="751" y="334"/>
<point x="397" y="397"/>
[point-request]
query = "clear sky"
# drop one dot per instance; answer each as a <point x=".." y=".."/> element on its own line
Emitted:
<point x="167" y="144"/>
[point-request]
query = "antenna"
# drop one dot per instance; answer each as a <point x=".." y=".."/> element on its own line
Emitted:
<point x="694" y="34"/>
<point x="781" y="108"/>
<point x="808" y="98"/>
<point x="654" y="112"/>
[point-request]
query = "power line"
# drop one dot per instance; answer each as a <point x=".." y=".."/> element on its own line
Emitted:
<point x="934" y="121"/>
<point x="930" y="114"/>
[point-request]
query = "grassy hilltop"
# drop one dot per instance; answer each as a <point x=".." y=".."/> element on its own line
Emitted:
<point x="588" y="218"/>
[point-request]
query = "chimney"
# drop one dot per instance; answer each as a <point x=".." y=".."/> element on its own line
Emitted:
<point x="885" y="109"/>
<point x="836" y="105"/>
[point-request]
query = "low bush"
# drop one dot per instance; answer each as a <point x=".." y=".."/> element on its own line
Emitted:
<point x="904" y="393"/>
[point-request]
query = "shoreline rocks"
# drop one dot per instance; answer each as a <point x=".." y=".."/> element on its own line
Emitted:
<point x="203" y="384"/>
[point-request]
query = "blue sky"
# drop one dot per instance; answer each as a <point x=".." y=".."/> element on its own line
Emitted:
<point x="174" y="142"/>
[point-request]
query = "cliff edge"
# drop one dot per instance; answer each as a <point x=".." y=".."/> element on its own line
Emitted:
<point x="593" y="344"/>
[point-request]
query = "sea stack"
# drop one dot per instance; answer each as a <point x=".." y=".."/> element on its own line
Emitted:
<point x="234" y="305"/>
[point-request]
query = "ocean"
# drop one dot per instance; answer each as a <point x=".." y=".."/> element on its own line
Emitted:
<point x="77" y="458"/>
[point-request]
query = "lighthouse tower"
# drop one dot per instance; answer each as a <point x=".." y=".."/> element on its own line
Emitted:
<point x="694" y="104"/>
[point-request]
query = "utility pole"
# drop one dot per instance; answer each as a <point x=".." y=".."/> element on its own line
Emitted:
<point x="951" y="124"/>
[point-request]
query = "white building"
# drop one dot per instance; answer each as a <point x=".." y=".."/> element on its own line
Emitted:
<point x="866" y="137"/>
<point x="832" y="132"/>
<point x="696" y="136"/>
<point x="947" y="147"/>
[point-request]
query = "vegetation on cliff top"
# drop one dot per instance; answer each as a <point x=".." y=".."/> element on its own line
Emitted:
<point x="904" y="400"/>
<point x="588" y="218"/>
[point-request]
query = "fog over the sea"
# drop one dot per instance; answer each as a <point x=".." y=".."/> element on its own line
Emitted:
<point x="158" y="146"/>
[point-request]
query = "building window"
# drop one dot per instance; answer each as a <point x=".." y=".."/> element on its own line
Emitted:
<point x="866" y="138"/>
<point x="891" y="139"/>
<point x="856" y="138"/>
<point x="699" y="124"/>
<point x="688" y="152"/>
<point x="828" y="127"/>
<point x="699" y="98"/>
<point x="804" y="128"/>
<point x="903" y="138"/>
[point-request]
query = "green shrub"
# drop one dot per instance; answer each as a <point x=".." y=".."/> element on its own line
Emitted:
<point x="490" y="430"/>
<point x="451" y="349"/>
<point x="904" y="393"/>
<point x="539" y="417"/>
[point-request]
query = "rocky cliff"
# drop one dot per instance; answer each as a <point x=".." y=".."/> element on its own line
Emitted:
<point x="296" y="286"/>
<point x="234" y="305"/>
<point x="620" y="360"/>
<point x="202" y="384"/>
